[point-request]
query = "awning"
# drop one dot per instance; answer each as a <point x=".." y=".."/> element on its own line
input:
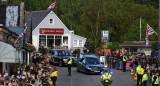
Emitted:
<point x="8" y="53"/>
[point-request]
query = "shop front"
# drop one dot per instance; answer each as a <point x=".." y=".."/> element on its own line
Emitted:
<point x="52" y="37"/>
<point x="49" y="31"/>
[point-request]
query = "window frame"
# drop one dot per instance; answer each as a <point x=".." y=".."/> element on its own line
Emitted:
<point x="52" y="21"/>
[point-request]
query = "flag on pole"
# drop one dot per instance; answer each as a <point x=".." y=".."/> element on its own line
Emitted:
<point x="149" y="32"/>
<point x="21" y="35"/>
<point x="51" y="6"/>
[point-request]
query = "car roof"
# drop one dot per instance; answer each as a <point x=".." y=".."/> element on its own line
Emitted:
<point x="89" y="56"/>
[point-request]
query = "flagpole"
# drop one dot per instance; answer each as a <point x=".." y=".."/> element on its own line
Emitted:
<point x="153" y="30"/>
<point x="140" y="28"/>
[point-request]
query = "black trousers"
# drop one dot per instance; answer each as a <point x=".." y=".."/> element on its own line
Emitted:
<point x="54" y="80"/>
<point x="124" y="66"/>
<point x="145" y="83"/>
<point x="139" y="78"/>
<point x="69" y="69"/>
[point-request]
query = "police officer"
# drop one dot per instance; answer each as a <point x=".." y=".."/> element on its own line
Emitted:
<point x="138" y="75"/>
<point x="124" y="62"/>
<point x="103" y="80"/>
<point x="155" y="79"/>
<point x="144" y="78"/>
<point x="69" y="59"/>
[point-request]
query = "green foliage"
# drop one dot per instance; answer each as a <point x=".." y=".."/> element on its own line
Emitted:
<point x="88" y="17"/>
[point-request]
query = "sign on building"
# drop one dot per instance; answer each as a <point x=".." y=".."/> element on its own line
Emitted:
<point x="105" y="36"/>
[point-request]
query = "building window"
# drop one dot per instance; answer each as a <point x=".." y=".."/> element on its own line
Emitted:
<point x="51" y="21"/>
<point x="75" y="43"/>
<point x="42" y="40"/>
<point x="80" y="43"/>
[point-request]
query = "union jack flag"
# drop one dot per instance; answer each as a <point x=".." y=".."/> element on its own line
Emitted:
<point x="51" y="6"/>
<point x="21" y="35"/>
<point x="149" y="32"/>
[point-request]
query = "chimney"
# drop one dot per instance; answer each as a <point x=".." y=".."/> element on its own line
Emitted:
<point x="21" y="23"/>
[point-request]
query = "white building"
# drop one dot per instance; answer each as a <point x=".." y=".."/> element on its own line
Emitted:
<point x="48" y="30"/>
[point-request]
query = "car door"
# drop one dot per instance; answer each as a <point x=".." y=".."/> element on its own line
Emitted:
<point x="82" y="64"/>
<point x="54" y="55"/>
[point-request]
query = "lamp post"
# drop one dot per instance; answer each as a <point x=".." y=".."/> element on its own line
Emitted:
<point x="159" y="35"/>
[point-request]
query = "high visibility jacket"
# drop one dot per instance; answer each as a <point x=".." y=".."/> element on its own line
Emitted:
<point x="138" y="69"/>
<point x="104" y="75"/>
<point x="32" y="85"/>
<point x="144" y="78"/>
<point x="141" y="72"/>
<point x="54" y="73"/>
<point x="157" y="80"/>
<point x="69" y="61"/>
<point x="131" y="57"/>
<point x="40" y="83"/>
<point x="124" y="59"/>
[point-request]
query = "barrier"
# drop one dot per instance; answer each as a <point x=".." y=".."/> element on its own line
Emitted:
<point x="128" y="65"/>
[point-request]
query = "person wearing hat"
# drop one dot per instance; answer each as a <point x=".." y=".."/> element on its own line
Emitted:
<point x="155" y="79"/>
<point x="139" y="77"/>
<point x="69" y="59"/>
<point x="145" y="78"/>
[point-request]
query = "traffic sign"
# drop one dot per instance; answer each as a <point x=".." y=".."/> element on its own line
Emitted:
<point x="107" y="43"/>
<point x="104" y="46"/>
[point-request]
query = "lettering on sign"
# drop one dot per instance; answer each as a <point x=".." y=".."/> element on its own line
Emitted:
<point x="51" y="31"/>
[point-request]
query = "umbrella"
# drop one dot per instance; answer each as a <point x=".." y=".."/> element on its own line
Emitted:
<point x="8" y="53"/>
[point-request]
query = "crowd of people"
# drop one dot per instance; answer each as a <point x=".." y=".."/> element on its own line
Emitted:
<point x="117" y="60"/>
<point x="38" y="73"/>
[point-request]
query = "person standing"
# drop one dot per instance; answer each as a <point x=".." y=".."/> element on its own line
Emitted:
<point x="155" y="79"/>
<point x="53" y="76"/>
<point x="117" y="59"/>
<point x="140" y="72"/>
<point x="69" y="59"/>
<point x="144" y="78"/>
<point x="124" y="63"/>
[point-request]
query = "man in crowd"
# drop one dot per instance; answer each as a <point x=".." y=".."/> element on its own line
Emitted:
<point x="117" y="59"/>
<point x="124" y="62"/>
<point x="155" y="79"/>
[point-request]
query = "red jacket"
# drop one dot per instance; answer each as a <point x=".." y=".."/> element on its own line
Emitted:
<point x="117" y="56"/>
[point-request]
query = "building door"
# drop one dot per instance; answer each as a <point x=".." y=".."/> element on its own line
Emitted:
<point x="50" y="41"/>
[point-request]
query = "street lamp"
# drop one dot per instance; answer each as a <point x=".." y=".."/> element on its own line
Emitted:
<point x="159" y="35"/>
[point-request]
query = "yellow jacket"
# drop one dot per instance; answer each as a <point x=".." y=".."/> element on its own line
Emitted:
<point x="141" y="72"/>
<point x="54" y="73"/>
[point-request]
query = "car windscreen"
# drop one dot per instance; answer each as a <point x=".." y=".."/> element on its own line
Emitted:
<point x="92" y="61"/>
<point x="63" y="52"/>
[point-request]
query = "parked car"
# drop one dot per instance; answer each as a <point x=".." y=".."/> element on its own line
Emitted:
<point x="89" y="64"/>
<point x="60" y="56"/>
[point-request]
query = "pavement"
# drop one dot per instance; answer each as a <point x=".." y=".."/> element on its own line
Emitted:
<point x="80" y="79"/>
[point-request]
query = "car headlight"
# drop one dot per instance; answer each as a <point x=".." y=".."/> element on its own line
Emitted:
<point x="65" y="60"/>
<point x="88" y="68"/>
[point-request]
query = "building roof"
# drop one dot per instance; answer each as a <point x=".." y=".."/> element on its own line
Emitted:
<point x="37" y="17"/>
<point x="135" y="44"/>
<point x="17" y="30"/>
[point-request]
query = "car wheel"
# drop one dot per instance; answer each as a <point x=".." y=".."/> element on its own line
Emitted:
<point x="78" y="69"/>
<point x="85" y="71"/>
<point x="60" y="63"/>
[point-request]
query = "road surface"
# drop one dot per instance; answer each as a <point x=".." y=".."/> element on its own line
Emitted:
<point x="79" y="79"/>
